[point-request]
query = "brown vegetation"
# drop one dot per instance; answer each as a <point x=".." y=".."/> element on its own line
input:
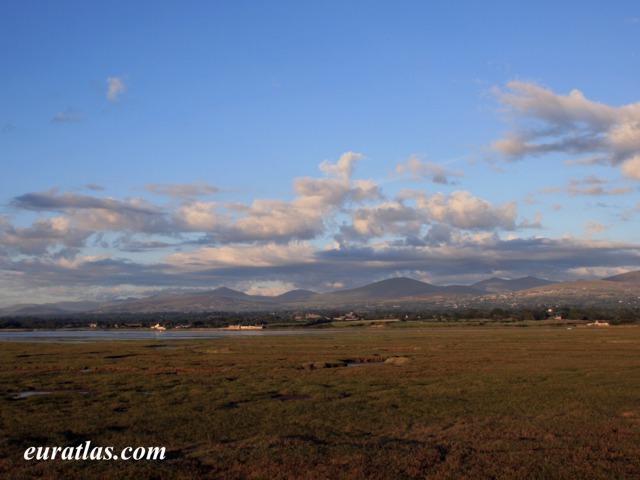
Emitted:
<point x="456" y="403"/>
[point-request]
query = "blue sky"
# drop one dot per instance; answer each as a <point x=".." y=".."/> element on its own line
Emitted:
<point x="272" y="145"/>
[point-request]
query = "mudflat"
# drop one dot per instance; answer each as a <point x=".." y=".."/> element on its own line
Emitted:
<point x="428" y="403"/>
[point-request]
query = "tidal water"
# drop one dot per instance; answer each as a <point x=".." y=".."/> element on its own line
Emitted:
<point x="90" y="336"/>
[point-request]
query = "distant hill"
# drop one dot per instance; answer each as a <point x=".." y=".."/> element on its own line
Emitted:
<point x="33" y="311"/>
<point x="619" y="290"/>
<point x="396" y="290"/>
<point x="629" y="277"/>
<point x="458" y="290"/>
<point x="215" y="300"/>
<point x="594" y="293"/>
<point x="226" y="292"/>
<point x="295" y="295"/>
<point x="392" y="288"/>
<point x="48" y="309"/>
<point x="499" y="285"/>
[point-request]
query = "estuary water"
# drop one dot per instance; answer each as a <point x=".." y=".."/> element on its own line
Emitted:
<point x="90" y="336"/>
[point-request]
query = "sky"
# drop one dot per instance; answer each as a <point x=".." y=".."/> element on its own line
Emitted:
<point x="272" y="145"/>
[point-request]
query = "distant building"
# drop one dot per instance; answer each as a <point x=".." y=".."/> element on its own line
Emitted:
<point x="598" y="324"/>
<point x="244" y="327"/>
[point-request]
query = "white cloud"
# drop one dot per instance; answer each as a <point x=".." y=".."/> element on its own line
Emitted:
<point x="545" y="122"/>
<point x="98" y="242"/>
<point x="336" y="188"/>
<point x="631" y="167"/>
<point x="45" y="235"/>
<point x="198" y="217"/>
<point x="115" y="88"/>
<point x="268" y="288"/>
<point x="275" y="220"/>
<point x="387" y="218"/>
<point x="419" y="170"/>
<point x="80" y="261"/>
<point x="463" y="210"/>
<point x="244" y="256"/>
<point x="343" y="168"/>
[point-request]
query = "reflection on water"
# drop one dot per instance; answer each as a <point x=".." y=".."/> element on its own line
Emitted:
<point x="90" y="336"/>
<point x="30" y="393"/>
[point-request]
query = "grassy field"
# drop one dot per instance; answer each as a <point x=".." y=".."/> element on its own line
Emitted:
<point x="541" y="403"/>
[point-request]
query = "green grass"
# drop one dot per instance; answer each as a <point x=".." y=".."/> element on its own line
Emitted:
<point x="463" y="403"/>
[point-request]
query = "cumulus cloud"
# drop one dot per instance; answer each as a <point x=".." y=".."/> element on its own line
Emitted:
<point x="408" y="216"/>
<point x="631" y="167"/>
<point x="316" y="203"/>
<point x="115" y="88"/>
<point x="391" y="217"/>
<point x="463" y="210"/>
<point x="336" y="188"/>
<point x="96" y="241"/>
<point x="458" y="257"/>
<point x="419" y="170"/>
<point x="44" y="235"/>
<point x="274" y="220"/>
<point x="198" y="217"/>
<point x="546" y="122"/>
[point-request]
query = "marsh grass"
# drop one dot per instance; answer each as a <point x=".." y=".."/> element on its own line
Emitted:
<point x="466" y="403"/>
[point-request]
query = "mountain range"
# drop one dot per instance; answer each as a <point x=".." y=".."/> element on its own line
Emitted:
<point x="624" y="288"/>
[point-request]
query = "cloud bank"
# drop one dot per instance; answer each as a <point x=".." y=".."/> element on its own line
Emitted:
<point x="338" y="228"/>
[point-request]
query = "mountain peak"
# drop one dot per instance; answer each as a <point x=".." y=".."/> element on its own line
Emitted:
<point x="228" y="292"/>
<point x="391" y="288"/>
<point x="292" y="295"/>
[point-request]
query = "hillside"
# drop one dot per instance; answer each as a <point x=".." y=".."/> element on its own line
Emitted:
<point x="586" y="293"/>
<point x="616" y="291"/>
<point x="497" y="285"/>
<point x="392" y="288"/>
<point x="629" y="277"/>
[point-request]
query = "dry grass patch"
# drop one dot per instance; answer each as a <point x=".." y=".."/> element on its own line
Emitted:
<point x="466" y="403"/>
